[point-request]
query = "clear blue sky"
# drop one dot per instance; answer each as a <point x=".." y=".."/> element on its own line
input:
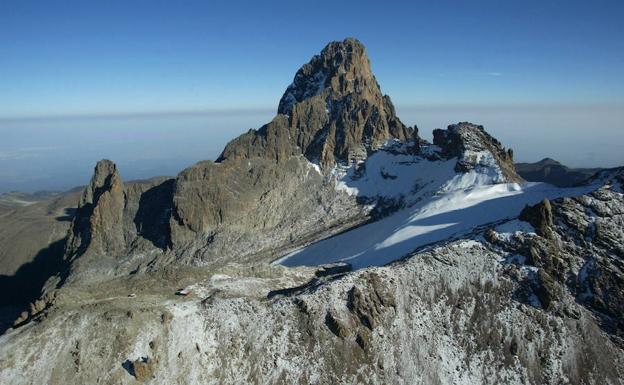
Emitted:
<point x="544" y="77"/>
<point x="99" y="57"/>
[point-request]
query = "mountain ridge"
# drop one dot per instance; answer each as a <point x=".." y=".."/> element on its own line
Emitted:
<point x="444" y="266"/>
<point x="254" y="196"/>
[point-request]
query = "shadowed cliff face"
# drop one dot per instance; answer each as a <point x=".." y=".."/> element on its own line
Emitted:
<point x="333" y="112"/>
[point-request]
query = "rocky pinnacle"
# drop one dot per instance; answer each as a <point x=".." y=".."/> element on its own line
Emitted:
<point x="97" y="225"/>
<point x="333" y="112"/>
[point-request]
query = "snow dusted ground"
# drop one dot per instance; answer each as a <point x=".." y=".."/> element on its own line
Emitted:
<point x="440" y="204"/>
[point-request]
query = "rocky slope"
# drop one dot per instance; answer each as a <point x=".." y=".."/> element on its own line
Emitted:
<point x="474" y="148"/>
<point x="479" y="310"/>
<point x="454" y="281"/>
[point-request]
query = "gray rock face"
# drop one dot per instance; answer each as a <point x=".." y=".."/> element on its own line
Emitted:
<point x="116" y="220"/>
<point x="333" y="112"/>
<point x="238" y="209"/>
<point x="469" y="143"/>
<point x="540" y="216"/>
<point x="96" y="227"/>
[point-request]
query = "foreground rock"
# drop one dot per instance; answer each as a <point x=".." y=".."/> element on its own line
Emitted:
<point x="449" y="315"/>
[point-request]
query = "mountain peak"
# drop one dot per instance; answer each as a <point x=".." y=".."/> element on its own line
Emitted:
<point x="342" y="67"/>
<point x="333" y="112"/>
<point x="549" y="162"/>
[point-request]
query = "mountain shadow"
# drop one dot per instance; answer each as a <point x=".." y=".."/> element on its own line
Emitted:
<point x="23" y="287"/>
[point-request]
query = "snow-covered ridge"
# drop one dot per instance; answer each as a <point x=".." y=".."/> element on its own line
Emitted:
<point x="395" y="172"/>
<point x="435" y="219"/>
<point x="437" y="203"/>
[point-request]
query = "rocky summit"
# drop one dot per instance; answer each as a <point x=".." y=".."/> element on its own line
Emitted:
<point x="333" y="245"/>
<point x="333" y="112"/>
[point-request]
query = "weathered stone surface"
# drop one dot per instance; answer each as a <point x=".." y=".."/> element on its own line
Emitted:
<point x="539" y="216"/>
<point x="370" y="305"/>
<point x="336" y="326"/>
<point x="143" y="369"/>
<point x="333" y="112"/>
<point x="96" y="226"/>
<point x="117" y="220"/>
<point x="546" y="289"/>
<point x="469" y="143"/>
<point x="241" y="208"/>
<point x="579" y="247"/>
<point x="455" y="307"/>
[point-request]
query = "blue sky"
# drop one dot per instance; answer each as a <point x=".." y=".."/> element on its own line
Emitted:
<point x="158" y="85"/>
<point x="101" y="57"/>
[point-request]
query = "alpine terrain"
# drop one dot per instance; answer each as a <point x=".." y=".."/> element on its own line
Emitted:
<point x="333" y="245"/>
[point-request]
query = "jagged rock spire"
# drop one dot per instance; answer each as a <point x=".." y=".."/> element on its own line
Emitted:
<point x="333" y="112"/>
<point x="97" y="226"/>
<point x="340" y="69"/>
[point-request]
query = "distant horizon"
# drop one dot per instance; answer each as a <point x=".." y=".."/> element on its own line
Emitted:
<point x="155" y="86"/>
<point x="58" y="153"/>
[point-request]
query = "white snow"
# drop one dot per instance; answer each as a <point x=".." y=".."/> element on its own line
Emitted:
<point x="315" y="167"/>
<point x="432" y="220"/>
<point x="507" y="230"/>
<point x="514" y="226"/>
<point x="393" y="173"/>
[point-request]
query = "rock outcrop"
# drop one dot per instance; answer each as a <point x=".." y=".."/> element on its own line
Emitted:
<point x="370" y="304"/>
<point x="579" y="248"/>
<point x="475" y="148"/>
<point x="96" y="226"/>
<point x="333" y="112"/>
<point x="241" y="209"/>
<point x="116" y="220"/>
<point x="539" y="216"/>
